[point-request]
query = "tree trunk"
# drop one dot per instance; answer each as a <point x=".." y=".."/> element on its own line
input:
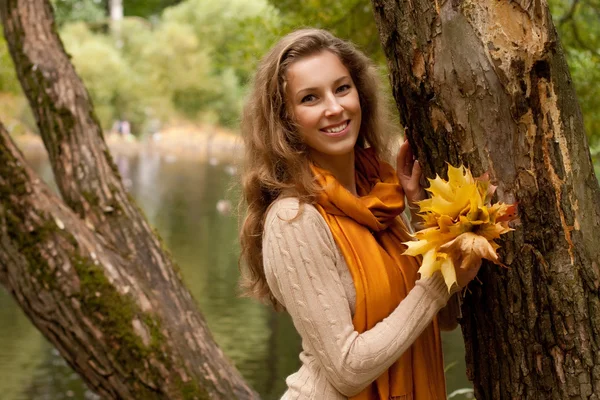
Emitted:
<point x="116" y="19"/>
<point x="485" y="83"/>
<point x="89" y="271"/>
<point x="116" y="10"/>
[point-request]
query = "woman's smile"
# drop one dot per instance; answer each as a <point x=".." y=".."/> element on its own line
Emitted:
<point x="337" y="130"/>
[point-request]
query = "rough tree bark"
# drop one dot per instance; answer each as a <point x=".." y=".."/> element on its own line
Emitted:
<point x="485" y="82"/>
<point x="88" y="270"/>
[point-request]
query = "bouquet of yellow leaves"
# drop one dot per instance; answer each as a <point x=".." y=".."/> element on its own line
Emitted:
<point x="460" y="224"/>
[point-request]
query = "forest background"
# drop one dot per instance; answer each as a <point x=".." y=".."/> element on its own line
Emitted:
<point x="191" y="61"/>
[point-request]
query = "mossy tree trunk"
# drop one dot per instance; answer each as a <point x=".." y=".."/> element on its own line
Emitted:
<point x="485" y="83"/>
<point x="88" y="270"/>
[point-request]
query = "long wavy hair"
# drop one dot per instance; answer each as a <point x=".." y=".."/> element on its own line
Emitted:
<point x="277" y="159"/>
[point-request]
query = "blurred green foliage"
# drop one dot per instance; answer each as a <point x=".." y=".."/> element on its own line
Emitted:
<point x="90" y="11"/>
<point x="96" y="11"/>
<point x="349" y="19"/>
<point x="145" y="8"/>
<point x="192" y="59"/>
<point x="8" y="76"/>
<point x="578" y="24"/>
<point x="191" y="63"/>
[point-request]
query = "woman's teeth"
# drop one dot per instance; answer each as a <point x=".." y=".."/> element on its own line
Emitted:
<point x="337" y="129"/>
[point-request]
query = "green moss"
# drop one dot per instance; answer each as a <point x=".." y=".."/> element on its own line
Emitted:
<point x="108" y="309"/>
<point x="91" y="198"/>
<point x="115" y="312"/>
<point x="29" y="242"/>
<point x="192" y="391"/>
<point x="16" y="179"/>
<point x="111" y="163"/>
<point x="165" y="249"/>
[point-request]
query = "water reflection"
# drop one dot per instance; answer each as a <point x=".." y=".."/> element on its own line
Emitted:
<point x="179" y="197"/>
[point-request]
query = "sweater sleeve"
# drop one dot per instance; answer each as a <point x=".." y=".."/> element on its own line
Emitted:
<point x="299" y="261"/>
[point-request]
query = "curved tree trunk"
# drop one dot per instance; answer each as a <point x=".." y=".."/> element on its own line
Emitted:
<point x="485" y="83"/>
<point x="89" y="271"/>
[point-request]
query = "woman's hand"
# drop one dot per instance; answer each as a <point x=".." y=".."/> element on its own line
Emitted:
<point x="466" y="272"/>
<point x="409" y="173"/>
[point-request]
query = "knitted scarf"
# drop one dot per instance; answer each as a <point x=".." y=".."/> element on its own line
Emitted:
<point x="369" y="233"/>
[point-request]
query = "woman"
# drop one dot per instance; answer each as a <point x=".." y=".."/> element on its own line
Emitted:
<point x="322" y="236"/>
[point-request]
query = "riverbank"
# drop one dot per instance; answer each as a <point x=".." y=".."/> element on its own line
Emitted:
<point x="201" y="143"/>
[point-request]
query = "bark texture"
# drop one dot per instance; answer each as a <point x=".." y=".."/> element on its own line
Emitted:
<point x="89" y="271"/>
<point x="485" y="83"/>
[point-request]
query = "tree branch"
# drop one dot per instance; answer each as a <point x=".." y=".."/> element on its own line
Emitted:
<point x="83" y="168"/>
<point x="91" y="187"/>
<point x="84" y="171"/>
<point x="46" y="252"/>
<point x="569" y="14"/>
<point x="113" y="328"/>
<point x="580" y="41"/>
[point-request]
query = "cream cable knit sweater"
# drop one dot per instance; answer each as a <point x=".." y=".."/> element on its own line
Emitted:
<point x="308" y="275"/>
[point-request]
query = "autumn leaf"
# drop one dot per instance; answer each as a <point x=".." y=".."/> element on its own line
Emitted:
<point x="460" y="224"/>
<point x="468" y="249"/>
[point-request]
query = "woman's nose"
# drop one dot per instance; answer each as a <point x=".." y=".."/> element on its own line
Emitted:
<point x="333" y="106"/>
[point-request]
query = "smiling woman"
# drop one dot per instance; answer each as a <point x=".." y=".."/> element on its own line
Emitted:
<point x="323" y="233"/>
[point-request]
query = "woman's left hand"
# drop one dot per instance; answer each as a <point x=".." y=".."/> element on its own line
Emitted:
<point x="409" y="173"/>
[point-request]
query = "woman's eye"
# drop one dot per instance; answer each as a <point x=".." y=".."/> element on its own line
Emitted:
<point x="343" y="88"/>
<point x="307" y="98"/>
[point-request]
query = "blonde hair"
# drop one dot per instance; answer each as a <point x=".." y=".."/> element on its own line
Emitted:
<point x="276" y="160"/>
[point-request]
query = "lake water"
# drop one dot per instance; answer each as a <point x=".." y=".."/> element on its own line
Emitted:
<point x="179" y="197"/>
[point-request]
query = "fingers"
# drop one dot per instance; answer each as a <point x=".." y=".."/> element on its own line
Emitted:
<point x="410" y="173"/>
<point x="405" y="159"/>
<point x="416" y="172"/>
<point x="410" y="158"/>
<point x="401" y="158"/>
<point x="468" y="270"/>
<point x="470" y="263"/>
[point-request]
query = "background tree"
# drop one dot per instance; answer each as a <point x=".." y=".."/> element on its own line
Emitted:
<point x="88" y="270"/>
<point x="486" y="83"/>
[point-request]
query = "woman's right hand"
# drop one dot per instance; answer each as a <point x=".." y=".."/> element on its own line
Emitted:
<point x="466" y="271"/>
<point x="467" y="251"/>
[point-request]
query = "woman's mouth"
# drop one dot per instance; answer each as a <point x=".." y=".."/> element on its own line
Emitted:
<point x="336" y="130"/>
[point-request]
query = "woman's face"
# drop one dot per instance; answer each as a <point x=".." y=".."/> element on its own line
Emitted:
<point x="325" y="105"/>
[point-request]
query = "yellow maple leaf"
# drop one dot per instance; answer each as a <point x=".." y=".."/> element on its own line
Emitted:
<point x="460" y="224"/>
<point x="468" y="249"/>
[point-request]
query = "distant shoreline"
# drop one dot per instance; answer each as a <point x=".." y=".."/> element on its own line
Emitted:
<point x="190" y="142"/>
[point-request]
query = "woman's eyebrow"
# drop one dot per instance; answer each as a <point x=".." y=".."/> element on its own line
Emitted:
<point x="312" y="89"/>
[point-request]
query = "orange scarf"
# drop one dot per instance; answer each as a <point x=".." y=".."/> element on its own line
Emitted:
<point x="370" y="236"/>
